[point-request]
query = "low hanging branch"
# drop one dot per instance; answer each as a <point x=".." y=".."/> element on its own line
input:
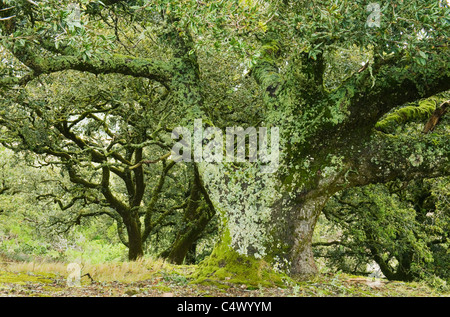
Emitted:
<point x="165" y="156"/>
<point x="326" y="243"/>
<point x="102" y="64"/>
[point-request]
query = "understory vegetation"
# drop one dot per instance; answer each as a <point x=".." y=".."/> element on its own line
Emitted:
<point x="151" y="277"/>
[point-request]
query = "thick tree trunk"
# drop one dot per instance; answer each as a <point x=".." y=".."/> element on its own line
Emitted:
<point x="293" y="223"/>
<point x="135" y="247"/>
<point x="289" y="248"/>
<point x="263" y="221"/>
<point x="302" y="259"/>
<point x="191" y="256"/>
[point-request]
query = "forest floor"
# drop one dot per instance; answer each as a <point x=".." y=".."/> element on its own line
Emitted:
<point x="158" y="279"/>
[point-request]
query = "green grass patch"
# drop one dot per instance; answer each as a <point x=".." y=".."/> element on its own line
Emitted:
<point x="23" y="278"/>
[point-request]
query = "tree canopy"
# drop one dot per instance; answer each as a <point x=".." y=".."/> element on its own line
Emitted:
<point x="97" y="87"/>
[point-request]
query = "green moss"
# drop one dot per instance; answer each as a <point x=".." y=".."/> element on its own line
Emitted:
<point x="162" y="288"/>
<point x="406" y="114"/>
<point x="23" y="278"/>
<point x="226" y="267"/>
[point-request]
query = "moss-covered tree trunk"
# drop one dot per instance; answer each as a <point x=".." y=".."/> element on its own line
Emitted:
<point x="262" y="220"/>
<point x="135" y="246"/>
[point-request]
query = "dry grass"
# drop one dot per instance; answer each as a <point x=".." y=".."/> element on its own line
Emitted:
<point x="107" y="272"/>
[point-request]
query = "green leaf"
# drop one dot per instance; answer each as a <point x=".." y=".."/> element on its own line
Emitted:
<point x="424" y="55"/>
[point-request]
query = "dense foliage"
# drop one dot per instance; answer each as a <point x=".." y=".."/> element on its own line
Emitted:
<point x="91" y="91"/>
<point x="403" y="227"/>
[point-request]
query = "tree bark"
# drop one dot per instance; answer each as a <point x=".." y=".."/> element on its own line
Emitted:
<point x="261" y="219"/>
<point x="187" y="237"/>
<point x="302" y="258"/>
<point x="135" y="248"/>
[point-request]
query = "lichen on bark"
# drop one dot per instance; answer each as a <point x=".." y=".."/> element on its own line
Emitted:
<point x="243" y="196"/>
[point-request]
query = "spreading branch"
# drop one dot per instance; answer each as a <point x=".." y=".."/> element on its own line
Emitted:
<point x="387" y="158"/>
<point x="126" y="65"/>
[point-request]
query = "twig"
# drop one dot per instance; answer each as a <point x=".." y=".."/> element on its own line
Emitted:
<point x="88" y="275"/>
<point x="8" y="18"/>
<point x="32" y="2"/>
<point x="5" y="9"/>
